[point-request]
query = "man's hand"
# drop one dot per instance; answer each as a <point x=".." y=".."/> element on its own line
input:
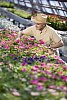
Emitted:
<point x="57" y="45"/>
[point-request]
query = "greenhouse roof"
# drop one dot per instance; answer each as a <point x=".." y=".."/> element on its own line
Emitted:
<point x="58" y="7"/>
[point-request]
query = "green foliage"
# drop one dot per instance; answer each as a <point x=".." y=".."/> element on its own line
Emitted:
<point x="6" y="4"/>
<point x="20" y="13"/>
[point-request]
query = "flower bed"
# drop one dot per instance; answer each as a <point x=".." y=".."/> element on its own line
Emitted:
<point x="57" y="23"/>
<point x="30" y="70"/>
<point x="4" y="23"/>
<point x="19" y="12"/>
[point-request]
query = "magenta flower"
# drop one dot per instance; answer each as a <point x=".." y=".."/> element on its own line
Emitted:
<point x="24" y="64"/>
<point x="35" y="81"/>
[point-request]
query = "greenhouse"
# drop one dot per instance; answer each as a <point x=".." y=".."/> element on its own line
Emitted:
<point x="33" y="49"/>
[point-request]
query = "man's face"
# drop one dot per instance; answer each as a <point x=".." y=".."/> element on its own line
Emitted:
<point x="39" y="26"/>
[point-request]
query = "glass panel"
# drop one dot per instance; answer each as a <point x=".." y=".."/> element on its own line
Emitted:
<point x="55" y="11"/>
<point x="44" y="10"/>
<point x="38" y="8"/>
<point x="20" y="0"/>
<point x="28" y="5"/>
<point x="61" y="4"/>
<point x="65" y="4"/>
<point x="54" y="3"/>
<point x="61" y="13"/>
<point x="65" y="14"/>
<point x="26" y="0"/>
<point x="48" y="10"/>
<point x="34" y="1"/>
<point x="10" y="0"/>
<point x="16" y="1"/>
<point x="44" y="2"/>
<point x="21" y="3"/>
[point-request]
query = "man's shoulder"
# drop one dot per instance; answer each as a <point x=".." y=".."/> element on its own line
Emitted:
<point x="29" y="30"/>
<point x="50" y="28"/>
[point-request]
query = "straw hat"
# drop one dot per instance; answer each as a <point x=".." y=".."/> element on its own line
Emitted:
<point x="39" y="18"/>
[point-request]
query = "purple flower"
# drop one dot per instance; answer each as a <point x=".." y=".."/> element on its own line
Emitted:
<point x="64" y="78"/>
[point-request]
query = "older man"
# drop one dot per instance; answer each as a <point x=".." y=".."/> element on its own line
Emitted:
<point x="41" y="31"/>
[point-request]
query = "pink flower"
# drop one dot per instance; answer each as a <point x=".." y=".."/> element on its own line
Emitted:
<point x="1" y="63"/>
<point x="40" y="87"/>
<point x="64" y="67"/>
<point x="60" y="73"/>
<point x="31" y="39"/>
<point x="56" y="57"/>
<point x="17" y="40"/>
<point x="21" y="47"/>
<point x="35" y="44"/>
<point x="41" y="42"/>
<point x="3" y="42"/>
<point x="44" y="65"/>
<point x="6" y="47"/>
<point x="52" y="86"/>
<point x="35" y="68"/>
<point x="47" y="72"/>
<point x="42" y="79"/>
<point x="23" y="69"/>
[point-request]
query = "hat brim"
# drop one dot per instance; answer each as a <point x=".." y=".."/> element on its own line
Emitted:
<point x="33" y="19"/>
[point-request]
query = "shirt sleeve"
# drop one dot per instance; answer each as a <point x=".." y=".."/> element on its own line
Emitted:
<point x="28" y="31"/>
<point x="55" y="36"/>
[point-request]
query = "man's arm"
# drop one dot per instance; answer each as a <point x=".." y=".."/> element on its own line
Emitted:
<point x="57" y="45"/>
<point x="27" y="31"/>
<point x="19" y="34"/>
